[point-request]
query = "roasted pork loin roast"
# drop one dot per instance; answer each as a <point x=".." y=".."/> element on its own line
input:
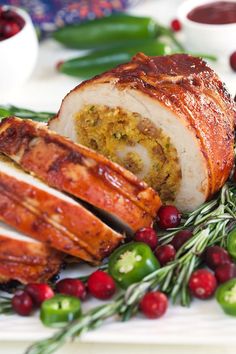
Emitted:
<point x="167" y="119"/>
<point x="47" y="215"/>
<point x="85" y="174"/>
<point x="24" y="259"/>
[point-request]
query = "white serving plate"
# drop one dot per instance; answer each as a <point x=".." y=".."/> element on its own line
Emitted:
<point x="203" y="323"/>
<point x="200" y="324"/>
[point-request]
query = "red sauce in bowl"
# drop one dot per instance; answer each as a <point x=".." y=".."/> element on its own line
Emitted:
<point x="214" y="13"/>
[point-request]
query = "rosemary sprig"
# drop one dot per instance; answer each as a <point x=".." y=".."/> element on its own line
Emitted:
<point x="5" y="305"/>
<point x="210" y="224"/>
<point x="10" y="110"/>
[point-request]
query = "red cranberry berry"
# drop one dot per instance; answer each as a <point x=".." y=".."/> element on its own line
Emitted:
<point x="168" y="216"/>
<point x="73" y="287"/>
<point x="165" y="254"/>
<point x="225" y="272"/>
<point x="232" y="60"/>
<point x="148" y="236"/>
<point x="39" y="292"/>
<point x="202" y="284"/>
<point x="216" y="255"/>
<point x="154" y="304"/>
<point x="22" y="303"/>
<point x="175" y="25"/>
<point x="180" y="238"/>
<point x="101" y="285"/>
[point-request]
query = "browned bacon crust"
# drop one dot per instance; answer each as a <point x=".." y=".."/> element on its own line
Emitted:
<point x="193" y="92"/>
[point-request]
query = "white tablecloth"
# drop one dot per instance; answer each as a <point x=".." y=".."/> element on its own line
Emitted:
<point x="44" y="91"/>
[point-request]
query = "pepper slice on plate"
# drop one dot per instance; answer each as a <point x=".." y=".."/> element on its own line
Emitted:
<point x="59" y="310"/>
<point x="231" y="243"/>
<point x="130" y="263"/>
<point x="226" y="297"/>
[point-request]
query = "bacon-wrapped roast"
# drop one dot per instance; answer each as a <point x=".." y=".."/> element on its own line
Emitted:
<point x="167" y="119"/>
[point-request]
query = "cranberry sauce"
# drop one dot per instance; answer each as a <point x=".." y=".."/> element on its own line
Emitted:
<point x="214" y="13"/>
<point x="10" y="23"/>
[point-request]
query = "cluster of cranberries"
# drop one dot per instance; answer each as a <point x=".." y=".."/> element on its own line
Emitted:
<point x="10" y="23"/>
<point x="99" y="284"/>
<point x="203" y="282"/>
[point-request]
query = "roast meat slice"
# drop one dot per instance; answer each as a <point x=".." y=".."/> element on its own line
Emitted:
<point x="169" y="119"/>
<point x="79" y="171"/>
<point x="47" y="215"/>
<point x="24" y="259"/>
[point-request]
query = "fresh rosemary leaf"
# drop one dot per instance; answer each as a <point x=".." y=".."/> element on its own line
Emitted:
<point x="10" y="110"/>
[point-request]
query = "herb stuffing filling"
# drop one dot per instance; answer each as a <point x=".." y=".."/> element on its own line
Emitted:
<point x="134" y="142"/>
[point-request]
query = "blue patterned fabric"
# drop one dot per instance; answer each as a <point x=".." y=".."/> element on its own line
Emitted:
<point x="48" y="15"/>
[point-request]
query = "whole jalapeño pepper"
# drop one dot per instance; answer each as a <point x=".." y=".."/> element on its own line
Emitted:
<point x="101" y="60"/>
<point x="107" y="31"/>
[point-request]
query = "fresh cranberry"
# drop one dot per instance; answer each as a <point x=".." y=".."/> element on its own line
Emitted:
<point x="180" y="238"/>
<point x="154" y="304"/>
<point x="148" y="236"/>
<point x="101" y="285"/>
<point x="168" y="216"/>
<point x="216" y="255"/>
<point x="73" y="287"/>
<point x="22" y="303"/>
<point x="202" y="284"/>
<point x="232" y="60"/>
<point x="39" y="292"/>
<point x="59" y="65"/>
<point x="175" y="25"/>
<point x="165" y="254"/>
<point x="225" y="272"/>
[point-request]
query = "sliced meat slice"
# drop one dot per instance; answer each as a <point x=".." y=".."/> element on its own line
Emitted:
<point x="49" y="216"/>
<point x="26" y="260"/>
<point x="168" y="119"/>
<point x="79" y="171"/>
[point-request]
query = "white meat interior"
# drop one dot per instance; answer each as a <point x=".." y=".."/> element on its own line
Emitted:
<point x="194" y="182"/>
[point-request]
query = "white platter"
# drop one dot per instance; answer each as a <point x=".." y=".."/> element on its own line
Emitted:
<point x="203" y="323"/>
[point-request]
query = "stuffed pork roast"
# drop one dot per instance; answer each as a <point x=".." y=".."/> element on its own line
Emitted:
<point x="168" y="119"/>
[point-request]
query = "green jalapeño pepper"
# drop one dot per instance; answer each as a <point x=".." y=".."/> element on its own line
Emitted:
<point x="107" y="31"/>
<point x="101" y="60"/>
<point x="59" y="310"/>
<point x="231" y="243"/>
<point x="130" y="263"/>
<point x="226" y="297"/>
